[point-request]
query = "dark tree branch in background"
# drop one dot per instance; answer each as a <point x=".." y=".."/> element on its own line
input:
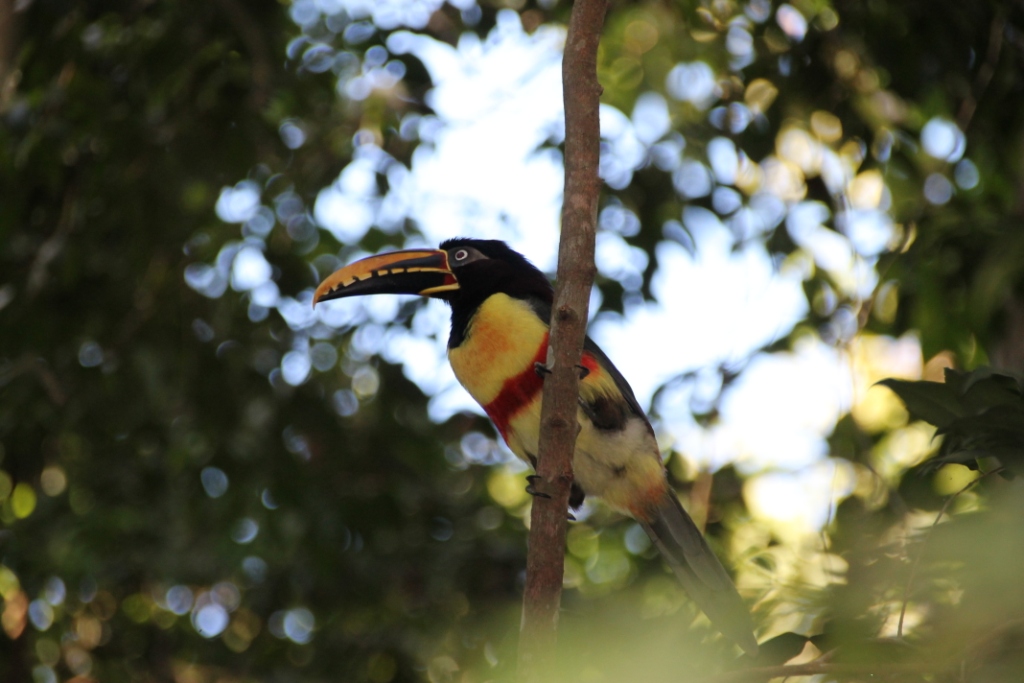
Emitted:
<point x="985" y="72"/>
<point x="8" y="52"/>
<point x="252" y="36"/>
<point x="30" y="364"/>
<point x="544" y="566"/>
<point x="54" y="244"/>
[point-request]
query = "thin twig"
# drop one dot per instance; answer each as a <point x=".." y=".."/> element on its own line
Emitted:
<point x="9" y="34"/>
<point x="920" y="553"/>
<point x="867" y="305"/>
<point x="765" y="673"/>
<point x="29" y="364"/>
<point x="985" y="72"/>
<point x="54" y="244"/>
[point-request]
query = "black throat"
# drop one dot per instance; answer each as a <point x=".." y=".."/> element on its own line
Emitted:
<point x="482" y="279"/>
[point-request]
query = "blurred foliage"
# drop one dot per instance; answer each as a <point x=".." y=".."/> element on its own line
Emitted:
<point x="176" y="506"/>
<point x="980" y="415"/>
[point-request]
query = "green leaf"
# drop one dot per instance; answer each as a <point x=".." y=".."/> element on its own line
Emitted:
<point x="1003" y="420"/>
<point x="955" y="379"/>
<point x="997" y="433"/>
<point x="933" y="402"/>
<point x="985" y="388"/>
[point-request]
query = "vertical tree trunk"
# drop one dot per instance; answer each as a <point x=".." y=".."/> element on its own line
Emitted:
<point x="544" y="566"/>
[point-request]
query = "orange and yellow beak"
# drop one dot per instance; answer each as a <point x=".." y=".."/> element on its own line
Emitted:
<point x="412" y="271"/>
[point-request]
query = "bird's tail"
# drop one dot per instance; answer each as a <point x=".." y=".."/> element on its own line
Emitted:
<point x="700" y="572"/>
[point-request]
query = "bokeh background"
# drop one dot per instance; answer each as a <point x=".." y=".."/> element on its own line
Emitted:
<point x="203" y="479"/>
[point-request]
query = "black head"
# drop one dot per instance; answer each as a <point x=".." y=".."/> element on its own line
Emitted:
<point x="485" y="267"/>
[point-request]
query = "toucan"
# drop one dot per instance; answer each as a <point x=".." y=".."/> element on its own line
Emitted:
<point x="501" y="310"/>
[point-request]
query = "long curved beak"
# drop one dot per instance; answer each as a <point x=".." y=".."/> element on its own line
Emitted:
<point x="411" y="271"/>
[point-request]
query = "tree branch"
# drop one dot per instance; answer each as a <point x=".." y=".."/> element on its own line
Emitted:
<point x="544" y="565"/>
<point x="871" y="670"/>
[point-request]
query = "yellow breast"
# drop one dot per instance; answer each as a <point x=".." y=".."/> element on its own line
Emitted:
<point x="501" y="341"/>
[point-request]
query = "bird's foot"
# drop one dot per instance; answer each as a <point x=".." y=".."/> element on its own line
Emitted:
<point x="532" y="489"/>
<point x="543" y="370"/>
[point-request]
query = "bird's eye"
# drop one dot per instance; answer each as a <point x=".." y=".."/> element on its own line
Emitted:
<point x="461" y="255"/>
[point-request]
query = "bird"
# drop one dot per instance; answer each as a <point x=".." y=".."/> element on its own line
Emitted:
<point x="500" y="319"/>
